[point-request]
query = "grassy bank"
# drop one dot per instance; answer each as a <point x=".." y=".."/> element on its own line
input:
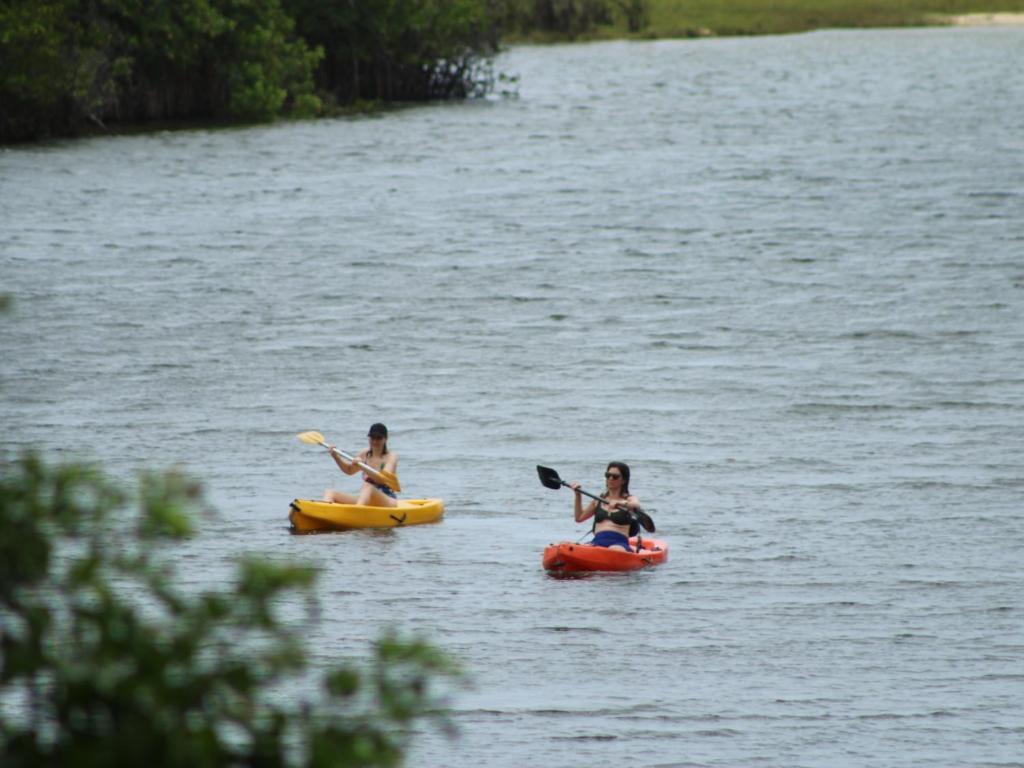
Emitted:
<point x="693" y="18"/>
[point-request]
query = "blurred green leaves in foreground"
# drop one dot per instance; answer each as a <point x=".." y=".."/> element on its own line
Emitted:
<point x="106" y="661"/>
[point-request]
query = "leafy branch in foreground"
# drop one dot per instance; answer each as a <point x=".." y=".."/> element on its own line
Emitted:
<point x="105" y="661"/>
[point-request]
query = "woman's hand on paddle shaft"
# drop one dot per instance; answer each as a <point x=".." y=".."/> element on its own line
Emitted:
<point x="630" y="504"/>
<point x="343" y="465"/>
<point x="578" y="498"/>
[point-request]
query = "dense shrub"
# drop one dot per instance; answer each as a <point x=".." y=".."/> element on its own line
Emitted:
<point x="69" y="64"/>
<point x="106" y="661"/>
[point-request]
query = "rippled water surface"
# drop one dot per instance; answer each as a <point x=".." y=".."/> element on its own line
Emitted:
<point x="783" y="278"/>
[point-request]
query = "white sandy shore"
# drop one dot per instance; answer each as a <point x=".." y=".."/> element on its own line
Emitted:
<point x="986" y="20"/>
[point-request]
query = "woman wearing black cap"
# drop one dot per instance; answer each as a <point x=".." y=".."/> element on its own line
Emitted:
<point x="377" y="455"/>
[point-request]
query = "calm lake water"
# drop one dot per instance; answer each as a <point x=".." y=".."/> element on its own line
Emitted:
<point x="783" y="278"/>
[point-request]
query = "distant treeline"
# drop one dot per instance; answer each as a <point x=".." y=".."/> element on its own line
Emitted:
<point x="569" y="19"/>
<point x="66" y="65"/>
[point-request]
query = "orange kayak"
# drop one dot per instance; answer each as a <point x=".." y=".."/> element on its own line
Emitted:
<point x="566" y="557"/>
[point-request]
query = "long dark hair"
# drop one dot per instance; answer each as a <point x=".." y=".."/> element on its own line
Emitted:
<point x="624" y="470"/>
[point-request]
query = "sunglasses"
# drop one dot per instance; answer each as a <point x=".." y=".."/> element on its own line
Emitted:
<point x="612" y="476"/>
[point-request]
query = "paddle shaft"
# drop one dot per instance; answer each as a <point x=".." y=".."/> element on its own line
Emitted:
<point x="598" y="499"/>
<point x="356" y="462"/>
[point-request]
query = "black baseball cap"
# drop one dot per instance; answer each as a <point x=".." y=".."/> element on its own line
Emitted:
<point x="377" y="430"/>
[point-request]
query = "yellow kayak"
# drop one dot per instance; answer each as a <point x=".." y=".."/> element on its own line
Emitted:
<point x="307" y="515"/>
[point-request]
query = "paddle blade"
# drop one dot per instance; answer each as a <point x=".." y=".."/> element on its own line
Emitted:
<point x="549" y="478"/>
<point x="644" y="519"/>
<point x="390" y="479"/>
<point x="313" y="438"/>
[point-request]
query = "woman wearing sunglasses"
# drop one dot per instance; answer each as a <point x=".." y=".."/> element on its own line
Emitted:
<point x="612" y="521"/>
<point x="377" y="455"/>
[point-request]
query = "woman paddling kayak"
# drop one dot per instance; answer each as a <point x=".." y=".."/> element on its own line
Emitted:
<point x="611" y="523"/>
<point x="373" y="493"/>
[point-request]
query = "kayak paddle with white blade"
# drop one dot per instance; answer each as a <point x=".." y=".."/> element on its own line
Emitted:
<point x="387" y="478"/>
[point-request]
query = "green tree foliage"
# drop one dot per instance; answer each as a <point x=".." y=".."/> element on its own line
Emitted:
<point x="66" y="64"/>
<point x="561" y="19"/>
<point x="399" y="50"/>
<point x="48" y="69"/>
<point x="635" y="13"/>
<point x="105" y="661"/>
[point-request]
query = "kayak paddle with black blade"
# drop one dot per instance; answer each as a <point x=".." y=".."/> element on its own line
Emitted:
<point x="550" y="479"/>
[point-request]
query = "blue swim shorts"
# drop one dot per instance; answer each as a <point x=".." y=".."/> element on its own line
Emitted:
<point x="611" y="538"/>
<point x="384" y="489"/>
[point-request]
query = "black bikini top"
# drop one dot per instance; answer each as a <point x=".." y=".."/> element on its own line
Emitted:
<point x="617" y="516"/>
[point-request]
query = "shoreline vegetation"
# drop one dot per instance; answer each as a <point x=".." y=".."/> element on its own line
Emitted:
<point x="82" y="67"/>
<point x="670" y="19"/>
